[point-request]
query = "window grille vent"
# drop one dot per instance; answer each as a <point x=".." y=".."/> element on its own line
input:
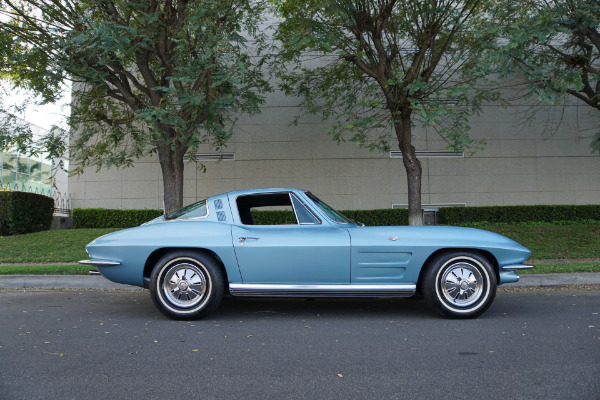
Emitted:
<point x="218" y="205"/>
<point x="221" y="216"/>
<point x="431" y="154"/>
<point x="201" y="157"/>
<point x="432" y="206"/>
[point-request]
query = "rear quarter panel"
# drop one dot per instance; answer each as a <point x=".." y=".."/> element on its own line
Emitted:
<point x="132" y="247"/>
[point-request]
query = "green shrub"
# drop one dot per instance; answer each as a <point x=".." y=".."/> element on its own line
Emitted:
<point x="379" y="217"/>
<point x="515" y="214"/>
<point x="111" y="218"/>
<point x="273" y="217"/>
<point x="383" y="217"/>
<point x="23" y="212"/>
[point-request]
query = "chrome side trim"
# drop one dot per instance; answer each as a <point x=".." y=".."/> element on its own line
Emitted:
<point x="100" y="263"/>
<point x="517" y="266"/>
<point x="351" y="291"/>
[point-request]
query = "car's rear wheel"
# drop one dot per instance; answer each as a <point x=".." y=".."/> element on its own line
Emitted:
<point x="460" y="284"/>
<point x="186" y="285"/>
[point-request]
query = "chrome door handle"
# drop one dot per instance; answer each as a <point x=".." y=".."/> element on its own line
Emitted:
<point x="243" y="239"/>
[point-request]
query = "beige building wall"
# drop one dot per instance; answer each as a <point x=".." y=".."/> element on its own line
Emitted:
<point x="523" y="163"/>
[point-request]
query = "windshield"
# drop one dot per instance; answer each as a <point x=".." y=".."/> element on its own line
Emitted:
<point x="196" y="210"/>
<point x="330" y="212"/>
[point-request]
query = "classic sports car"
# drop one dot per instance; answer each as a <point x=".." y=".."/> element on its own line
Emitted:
<point x="191" y="257"/>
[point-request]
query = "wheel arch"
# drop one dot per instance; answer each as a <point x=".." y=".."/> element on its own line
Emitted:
<point x="158" y="253"/>
<point x="484" y="253"/>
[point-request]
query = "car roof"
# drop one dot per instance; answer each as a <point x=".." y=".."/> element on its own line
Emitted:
<point x="244" y="192"/>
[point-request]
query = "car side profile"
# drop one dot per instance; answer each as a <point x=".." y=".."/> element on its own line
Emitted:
<point x="190" y="258"/>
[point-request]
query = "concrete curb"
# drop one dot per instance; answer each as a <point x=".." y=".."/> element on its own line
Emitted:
<point x="541" y="280"/>
<point x="61" y="282"/>
<point x="98" y="282"/>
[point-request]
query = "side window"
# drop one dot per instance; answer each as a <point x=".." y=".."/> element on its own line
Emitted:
<point x="273" y="209"/>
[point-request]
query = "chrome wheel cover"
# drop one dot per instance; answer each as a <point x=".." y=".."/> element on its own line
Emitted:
<point x="461" y="284"/>
<point x="184" y="285"/>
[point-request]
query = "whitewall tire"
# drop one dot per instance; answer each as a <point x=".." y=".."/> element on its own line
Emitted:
<point x="186" y="285"/>
<point x="460" y="284"/>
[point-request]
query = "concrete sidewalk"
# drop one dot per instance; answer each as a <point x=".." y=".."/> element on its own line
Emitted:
<point x="98" y="282"/>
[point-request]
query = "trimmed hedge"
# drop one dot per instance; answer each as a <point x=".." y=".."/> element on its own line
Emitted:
<point x="111" y="218"/>
<point x="273" y="217"/>
<point x="24" y="212"/>
<point x="382" y="217"/>
<point x="515" y="214"/>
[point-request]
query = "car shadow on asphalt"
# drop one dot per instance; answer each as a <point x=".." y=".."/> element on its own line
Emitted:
<point x="232" y="308"/>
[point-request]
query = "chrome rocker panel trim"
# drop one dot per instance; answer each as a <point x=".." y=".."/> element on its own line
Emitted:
<point x="100" y="263"/>
<point x="332" y="291"/>
<point x="517" y="266"/>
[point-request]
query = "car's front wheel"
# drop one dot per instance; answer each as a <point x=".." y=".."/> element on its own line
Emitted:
<point x="186" y="285"/>
<point x="460" y="284"/>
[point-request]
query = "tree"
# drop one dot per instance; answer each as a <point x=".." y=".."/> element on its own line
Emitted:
<point x="25" y="69"/>
<point x="383" y="64"/>
<point x="149" y="76"/>
<point x="555" y="44"/>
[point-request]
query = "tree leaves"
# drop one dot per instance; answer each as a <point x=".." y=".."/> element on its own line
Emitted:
<point x="554" y="44"/>
<point x="149" y="76"/>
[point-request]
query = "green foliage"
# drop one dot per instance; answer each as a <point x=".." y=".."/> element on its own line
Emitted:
<point x="23" y="212"/>
<point x="115" y="218"/>
<point x="374" y="70"/>
<point x="44" y="269"/>
<point x="554" y="241"/>
<point x="112" y="218"/>
<point x="554" y="44"/>
<point x="371" y="60"/>
<point x="383" y="217"/>
<point x="151" y="77"/>
<point x="565" y="268"/>
<point x="518" y="214"/>
<point x="54" y="246"/>
<point x="273" y="217"/>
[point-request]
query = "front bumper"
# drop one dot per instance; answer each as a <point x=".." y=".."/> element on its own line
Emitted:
<point x="508" y="273"/>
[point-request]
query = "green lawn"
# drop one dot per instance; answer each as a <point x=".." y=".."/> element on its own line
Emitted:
<point x="552" y="268"/>
<point x="564" y="245"/>
<point x="72" y="269"/>
<point x="554" y="242"/>
<point x="58" y="246"/>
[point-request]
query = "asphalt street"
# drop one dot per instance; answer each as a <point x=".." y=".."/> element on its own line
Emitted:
<point x="533" y="343"/>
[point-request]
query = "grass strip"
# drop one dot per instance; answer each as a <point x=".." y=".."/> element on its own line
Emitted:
<point x="44" y="269"/>
<point x="56" y="246"/>
<point x="553" y="242"/>
<point x="562" y="268"/>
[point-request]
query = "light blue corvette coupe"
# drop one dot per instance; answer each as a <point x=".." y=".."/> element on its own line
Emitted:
<point x="191" y="257"/>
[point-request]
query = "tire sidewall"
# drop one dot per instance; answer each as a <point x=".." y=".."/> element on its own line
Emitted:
<point x="433" y="284"/>
<point x="214" y="285"/>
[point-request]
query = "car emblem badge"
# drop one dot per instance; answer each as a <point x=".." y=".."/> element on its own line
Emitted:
<point x="393" y="238"/>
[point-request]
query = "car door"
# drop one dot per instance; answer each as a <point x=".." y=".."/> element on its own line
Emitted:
<point x="309" y="252"/>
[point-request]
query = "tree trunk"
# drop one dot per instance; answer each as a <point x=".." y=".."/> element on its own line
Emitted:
<point x="412" y="165"/>
<point x="171" y="164"/>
